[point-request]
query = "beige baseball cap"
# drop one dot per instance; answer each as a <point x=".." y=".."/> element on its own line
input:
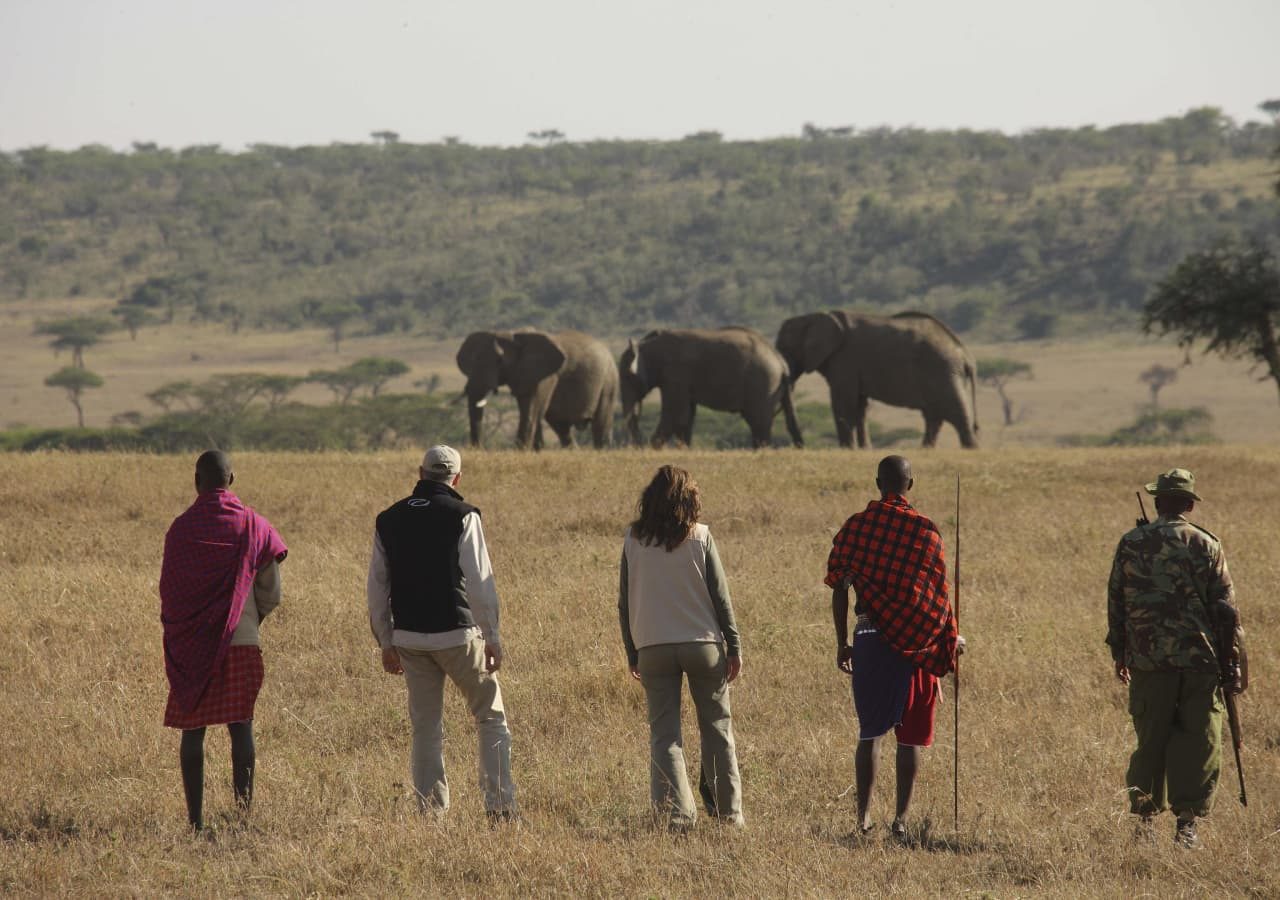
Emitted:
<point x="442" y="462"/>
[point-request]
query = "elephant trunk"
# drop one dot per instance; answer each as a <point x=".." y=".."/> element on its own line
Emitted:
<point x="475" y="413"/>
<point x="632" y="418"/>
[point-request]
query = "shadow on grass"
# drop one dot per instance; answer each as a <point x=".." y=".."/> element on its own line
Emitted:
<point x="39" y="825"/>
<point x="923" y="835"/>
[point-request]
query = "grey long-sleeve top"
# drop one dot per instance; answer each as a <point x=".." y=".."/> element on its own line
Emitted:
<point x="674" y="597"/>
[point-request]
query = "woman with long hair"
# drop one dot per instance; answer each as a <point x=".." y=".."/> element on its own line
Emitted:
<point x="677" y="622"/>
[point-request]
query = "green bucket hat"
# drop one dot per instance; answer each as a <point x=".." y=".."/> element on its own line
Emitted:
<point x="1176" y="481"/>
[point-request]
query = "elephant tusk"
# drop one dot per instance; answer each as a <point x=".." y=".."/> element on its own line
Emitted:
<point x="481" y="403"/>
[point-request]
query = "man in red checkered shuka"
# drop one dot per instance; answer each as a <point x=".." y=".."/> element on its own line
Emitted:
<point x="905" y="635"/>
<point x="219" y="578"/>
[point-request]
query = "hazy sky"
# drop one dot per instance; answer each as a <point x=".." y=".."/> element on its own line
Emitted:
<point x="234" y="72"/>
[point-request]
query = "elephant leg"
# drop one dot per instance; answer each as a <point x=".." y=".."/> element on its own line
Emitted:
<point x="761" y="430"/>
<point x="524" y="435"/>
<point x="538" y="404"/>
<point x="932" y="424"/>
<point x="564" y="431"/>
<point x="789" y="414"/>
<point x="860" y="422"/>
<point x="601" y="432"/>
<point x="686" y="434"/>
<point x="663" y="431"/>
<point x="676" y="417"/>
<point x="844" y="431"/>
<point x="968" y="439"/>
<point x="844" y="409"/>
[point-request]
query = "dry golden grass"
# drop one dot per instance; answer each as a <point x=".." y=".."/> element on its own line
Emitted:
<point x="92" y="802"/>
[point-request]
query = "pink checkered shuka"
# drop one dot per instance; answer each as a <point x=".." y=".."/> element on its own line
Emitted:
<point x="212" y="553"/>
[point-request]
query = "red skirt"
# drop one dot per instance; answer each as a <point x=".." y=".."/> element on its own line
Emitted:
<point x="230" y="696"/>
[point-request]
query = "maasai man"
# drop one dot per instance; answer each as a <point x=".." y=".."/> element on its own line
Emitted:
<point x="220" y="577"/>
<point x="905" y="636"/>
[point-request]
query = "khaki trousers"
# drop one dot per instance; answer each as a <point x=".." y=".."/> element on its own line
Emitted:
<point x="1177" y="717"/>
<point x="662" y="670"/>
<point x="424" y="674"/>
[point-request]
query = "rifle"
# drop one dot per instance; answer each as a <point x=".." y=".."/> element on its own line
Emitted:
<point x="1233" y="720"/>
<point x="955" y="775"/>
<point x="1229" y="677"/>
<point x="1229" y="671"/>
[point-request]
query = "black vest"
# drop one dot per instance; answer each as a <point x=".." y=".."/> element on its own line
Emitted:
<point x="420" y="537"/>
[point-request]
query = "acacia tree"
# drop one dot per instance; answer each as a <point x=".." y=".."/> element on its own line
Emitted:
<point x="1229" y="296"/>
<point x="375" y="371"/>
<point x="133" y="317"/>
<point x="174" y="392"/>
<point x="75" y="333"/>
<point x="75" y="381"/>
<point x="335" y="316"/>
<point x="277" y="387"/>
<point x="1156" y="378"/>
<point x="997" y="373"/>
<point x="343" y="382"/>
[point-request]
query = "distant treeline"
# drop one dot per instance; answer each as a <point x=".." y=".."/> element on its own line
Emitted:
<point x="378" y="422"/>
<point x="1004" y="235"/>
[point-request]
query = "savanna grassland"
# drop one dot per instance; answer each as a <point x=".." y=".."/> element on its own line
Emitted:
<point x="92" y="802"/>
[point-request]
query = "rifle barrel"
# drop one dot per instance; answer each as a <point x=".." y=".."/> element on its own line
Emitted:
<point x="955" y="799"/>
<point x="1237" y="739"/>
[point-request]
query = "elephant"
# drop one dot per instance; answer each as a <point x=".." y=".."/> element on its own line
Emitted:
<point x="910" y="359"/>
<point x="568" y="378"/>
<point x="732" y="369"/>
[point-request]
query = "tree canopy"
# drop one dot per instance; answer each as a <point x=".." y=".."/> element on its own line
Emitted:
<point x="997" y="372"/>
<point x="1227" y="296"/>
<point x="75" y="381"/>
<point x="75" y="333"/>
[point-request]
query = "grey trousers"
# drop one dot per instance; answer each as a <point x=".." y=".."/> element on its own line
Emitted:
<point x="662" y="670"/>
<point x="424" y="674"/>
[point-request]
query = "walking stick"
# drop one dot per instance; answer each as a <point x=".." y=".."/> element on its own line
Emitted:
<point x="955" y="772"/>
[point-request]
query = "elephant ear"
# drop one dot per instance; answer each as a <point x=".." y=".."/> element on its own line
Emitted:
<point x="537" y="355"/>
<point x="475" y="350"/>
<point x="822" y="337"/>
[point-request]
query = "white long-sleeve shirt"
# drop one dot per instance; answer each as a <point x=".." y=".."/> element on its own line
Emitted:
<point x="482" y="596"/>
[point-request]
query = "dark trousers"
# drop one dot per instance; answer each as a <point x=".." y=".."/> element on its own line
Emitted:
<point x="1177" y="716"/>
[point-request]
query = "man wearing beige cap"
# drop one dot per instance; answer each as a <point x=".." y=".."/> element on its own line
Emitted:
<point x="1173" y="630"/>
<point x="433" y="608"/>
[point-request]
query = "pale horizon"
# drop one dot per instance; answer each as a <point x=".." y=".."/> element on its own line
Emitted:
<point x="76" y="73"/>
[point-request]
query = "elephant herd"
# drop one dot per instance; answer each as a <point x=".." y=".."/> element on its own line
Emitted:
<point x="570" y="379"/>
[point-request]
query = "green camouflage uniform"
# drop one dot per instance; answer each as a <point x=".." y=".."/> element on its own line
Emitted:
<point x="1166" y="578"/>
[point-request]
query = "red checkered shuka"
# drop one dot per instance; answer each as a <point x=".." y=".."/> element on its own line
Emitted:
<point x="212" y="553"/>
<point x="891" y="555"/>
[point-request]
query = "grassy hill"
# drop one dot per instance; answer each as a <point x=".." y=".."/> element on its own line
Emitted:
<point x="1029" y="235"/>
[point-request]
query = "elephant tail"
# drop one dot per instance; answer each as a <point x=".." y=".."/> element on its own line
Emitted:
<point x="971" y="373"/>
<point x="789" y="412"/>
